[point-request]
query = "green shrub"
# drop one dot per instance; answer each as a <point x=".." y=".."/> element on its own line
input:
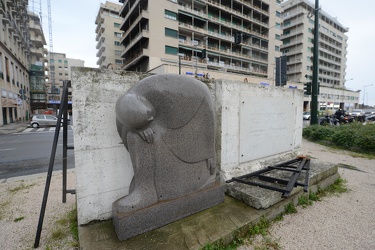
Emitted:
<point x="317" y="132"/>
<point x="354" y="136"/>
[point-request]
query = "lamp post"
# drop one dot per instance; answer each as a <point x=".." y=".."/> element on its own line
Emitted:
<point x="180" y="55"/>
<point x="364" y="94"/>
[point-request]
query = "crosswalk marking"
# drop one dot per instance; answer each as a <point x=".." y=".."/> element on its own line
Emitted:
<point x="47" y="129"/>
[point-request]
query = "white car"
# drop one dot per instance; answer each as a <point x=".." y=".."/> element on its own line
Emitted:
<point x="357" y="112"/>
<point x="306" y="115"/>
<point x="43" y="120"/>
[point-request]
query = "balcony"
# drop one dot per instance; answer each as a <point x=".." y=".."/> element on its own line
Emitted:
<point x="6" y="19"/>
<point x="100" y="51"/>
<point x="143" y="34"/>
<point x="100" y="43"/>
<point x="100" y="29"/>
<point x="135" y="58"/>
<point x="9" y="3"/>
<point x="2" y="8"/>
<point x="134" y="24"/>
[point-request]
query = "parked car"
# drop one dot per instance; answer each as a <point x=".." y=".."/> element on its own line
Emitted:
<point x="357" y="112"/>
<point x="43" y="120"/>
<point x="306" y="115"/>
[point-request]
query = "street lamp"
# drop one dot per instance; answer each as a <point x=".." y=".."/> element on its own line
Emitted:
<point x="180" y="55"/>
<point x="364" y="94"/>
<point x="195" y="43"/>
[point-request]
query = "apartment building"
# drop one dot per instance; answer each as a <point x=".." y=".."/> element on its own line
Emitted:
<point x="108" y="36"/>
<point x="14" y="61"/>
<point x="60" y="70"/>
<point x="231" y="39"/>
<point x="37" y="68"/>
<point x="297" y="44"/>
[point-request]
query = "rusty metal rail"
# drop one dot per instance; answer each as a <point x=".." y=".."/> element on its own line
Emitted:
<point x="296" y="167"/>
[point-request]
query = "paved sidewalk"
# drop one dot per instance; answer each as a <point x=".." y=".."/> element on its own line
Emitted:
<point x="14" y="127"/>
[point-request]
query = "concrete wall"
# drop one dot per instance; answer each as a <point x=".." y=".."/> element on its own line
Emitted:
<point x="255" y="125"/>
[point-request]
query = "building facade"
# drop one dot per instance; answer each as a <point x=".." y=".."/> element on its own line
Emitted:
<point x="297" y="44"/>
<point x="37" y="68"/>
<point x="14" y="62"/>
<point x="108" y="36"/>
<point x="220" y="39"/>
<point x="59" y="71"/>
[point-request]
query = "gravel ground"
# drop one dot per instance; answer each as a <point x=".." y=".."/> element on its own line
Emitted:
<point x="20" y="204"/>
<point x="345" y="221"/>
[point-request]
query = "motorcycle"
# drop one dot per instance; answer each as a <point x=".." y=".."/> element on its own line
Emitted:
<point x="329" y="120"/>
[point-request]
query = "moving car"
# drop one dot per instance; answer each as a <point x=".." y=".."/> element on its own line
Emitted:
<point x="43" y="120"/>
<point x="306" y="115"/>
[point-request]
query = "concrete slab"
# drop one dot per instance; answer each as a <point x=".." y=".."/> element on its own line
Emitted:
<point x="261" y="198"/>
<point x="195" y="231"/>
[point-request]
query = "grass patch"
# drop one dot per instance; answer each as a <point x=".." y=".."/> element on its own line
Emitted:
<point x="65" y="228"/>
<point x="304" y="200"/>
<point x="21" y="187"/>
<point x="19" y="219"/>
<point x="338" y="187"/>
<point x="3" y="206"/>
<point x="290" y="208"/>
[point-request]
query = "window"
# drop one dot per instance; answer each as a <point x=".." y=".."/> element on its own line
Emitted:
<point x="287" y="41"/>
<point x="118" y="61"/>
<point x="118" y="52"/>
<point x="117" y="43"/>
<point x="278" y="26"/>
<point x="277" y="48"/>
<point x="118" y="34"/>
<point x="59" y="61"/>
<point x="286" y="24"/>
<point x="277" y="37"/>
<point x="51" y="60"/>
<point x="116" y="25"/>
<point x="171" y="33"/>
<point x="171" y="50"/>
<point x="278" y="14"/>
<point x="170" y="15"/>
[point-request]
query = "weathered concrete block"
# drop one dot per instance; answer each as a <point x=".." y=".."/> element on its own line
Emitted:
<point x="261" y="198"/>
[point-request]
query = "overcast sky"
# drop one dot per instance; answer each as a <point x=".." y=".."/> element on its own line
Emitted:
<point x="73" y="30"/>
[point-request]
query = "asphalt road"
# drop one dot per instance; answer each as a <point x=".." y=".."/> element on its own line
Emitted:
<point x="29" y="153"/>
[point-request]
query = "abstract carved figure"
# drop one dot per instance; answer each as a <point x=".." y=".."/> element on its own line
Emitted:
<point x="166" y="122"/>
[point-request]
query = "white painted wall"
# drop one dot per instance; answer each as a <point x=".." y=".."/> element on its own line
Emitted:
<point x="254" y="125"/>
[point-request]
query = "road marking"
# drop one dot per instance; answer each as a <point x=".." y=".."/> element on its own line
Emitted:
<point x="48" y="129"/>
<point x="7" y="149"/>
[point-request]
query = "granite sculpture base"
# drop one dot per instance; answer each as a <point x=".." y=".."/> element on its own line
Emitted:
<point x="128" y="225"/>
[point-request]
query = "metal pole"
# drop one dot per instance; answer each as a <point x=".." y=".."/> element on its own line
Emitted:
<point x="49" y="176"/>
<point x="65" y="139"/>
<point x="314" y="87"/>
<point x="179" y="65"/>
<point x="196" y="60"/>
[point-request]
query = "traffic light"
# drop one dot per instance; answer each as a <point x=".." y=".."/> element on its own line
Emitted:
<point x="204" y="54"/>
<point x="307" y="88"/>
<point x="238" y="37"/>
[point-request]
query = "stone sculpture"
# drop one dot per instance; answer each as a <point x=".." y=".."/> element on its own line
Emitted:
<point x="166" y="122"/>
